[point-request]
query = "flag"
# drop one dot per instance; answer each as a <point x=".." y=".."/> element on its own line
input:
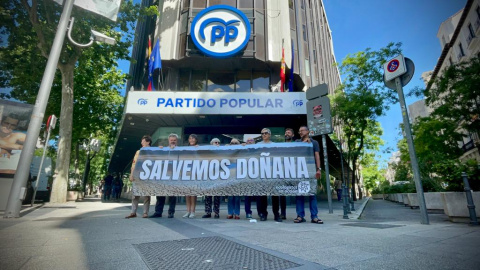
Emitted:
<point x="150" y="74"/>
<point x="282" y="70"/>
<point x="154" y="62"/>
<point x="290" y="78"/>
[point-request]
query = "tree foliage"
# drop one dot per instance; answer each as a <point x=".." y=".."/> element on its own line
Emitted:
<point x="361" y="99"/>
<point x="94" y="104"/>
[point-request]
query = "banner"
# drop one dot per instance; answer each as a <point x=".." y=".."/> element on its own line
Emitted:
<point x="15" y="118"/>
<point x="260" y="169"/>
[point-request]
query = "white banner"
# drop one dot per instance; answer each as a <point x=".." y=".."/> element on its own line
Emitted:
<point x="106" y="8"/>
<point x="214" y="103"/>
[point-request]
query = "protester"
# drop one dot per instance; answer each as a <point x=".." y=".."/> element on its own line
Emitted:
<point x="191" y="200"/>
<point x="249" y="199"/>
<point x="107" y="187"/>
<point x="208" y="199"/>
<point x="300" y="200"/>
<point x="234" y="201"/>
<point x="262" y="201"/>
<point x="159" y="205"/>
<point x="146" y="141"/>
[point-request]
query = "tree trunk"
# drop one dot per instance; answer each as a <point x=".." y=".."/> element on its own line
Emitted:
<point x="60" y="182"/>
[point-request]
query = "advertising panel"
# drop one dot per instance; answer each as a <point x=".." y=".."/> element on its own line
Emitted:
<point x="15" y="118"/>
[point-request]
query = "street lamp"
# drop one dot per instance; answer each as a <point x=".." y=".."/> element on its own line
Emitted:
<point x="89" y="145"/>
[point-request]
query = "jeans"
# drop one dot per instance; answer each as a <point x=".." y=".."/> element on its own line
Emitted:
<point x="300" y="201"/>
<point x="339" y="194"/>
<point x="234" y="205"/>
<point x="248" y="204"/>
<point x="161" y="203"/>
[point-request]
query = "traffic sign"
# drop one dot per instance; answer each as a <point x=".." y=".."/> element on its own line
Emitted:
<point x="394" y="68"/>
<point x="405" y="78"/>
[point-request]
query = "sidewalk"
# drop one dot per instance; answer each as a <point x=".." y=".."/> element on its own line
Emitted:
<point x="95" y="235"/>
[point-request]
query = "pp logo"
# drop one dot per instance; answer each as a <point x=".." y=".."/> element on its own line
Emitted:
<point x="220" y="31"/>
<point x="142" y="101"/>
<point x="298" y="103"/>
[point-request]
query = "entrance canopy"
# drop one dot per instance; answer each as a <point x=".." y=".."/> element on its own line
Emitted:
<point x="208" y="114"/>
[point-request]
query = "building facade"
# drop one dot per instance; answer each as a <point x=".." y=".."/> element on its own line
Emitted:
<point x="459" y="37"/>
<point x="298" y="29"/>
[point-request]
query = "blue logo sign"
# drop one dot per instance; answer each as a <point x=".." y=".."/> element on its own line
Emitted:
<point x="220" y="31"/>
<point x="298" y="103"/>
<point x="142" y="101"/>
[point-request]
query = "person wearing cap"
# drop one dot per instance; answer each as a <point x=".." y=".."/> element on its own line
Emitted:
<point x="208" y="199"/>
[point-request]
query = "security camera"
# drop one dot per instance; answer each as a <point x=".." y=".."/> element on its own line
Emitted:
<point x="103" y="38"/>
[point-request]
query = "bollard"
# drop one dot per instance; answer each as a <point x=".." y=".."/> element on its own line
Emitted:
<point x="470" y="204"/>
<point x="345" y="201"/>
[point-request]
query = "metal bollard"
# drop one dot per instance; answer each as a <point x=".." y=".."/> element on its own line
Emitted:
<point x="470" y="204"/>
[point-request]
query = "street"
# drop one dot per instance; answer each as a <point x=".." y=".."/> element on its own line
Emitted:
<point x="95" y="235"/>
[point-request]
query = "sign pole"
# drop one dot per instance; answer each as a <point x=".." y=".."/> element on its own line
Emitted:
<point x="327" y="174"/>
<point x="40" y="167"/>
<point x="20" y="179"/>
<point x="411" y="150"/>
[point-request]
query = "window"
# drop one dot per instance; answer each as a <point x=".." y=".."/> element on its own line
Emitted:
<point x="307" y="67"/>
<point x="222" y="2"/>
<point x="183" y="79"/>
<point x="304" y="32"/>
<point x="470" y="30"/>
<point x="477" y="10"/>
<point x="199" y="4"/>
<point x="198" y="80"/>
<point x="260" y="82"/>
<point x="460" y="47"/>
<point x="450" y="61"/>
<point x="242" y="81"/>
<point x="220" y="81"/>
<point x="186" y="5"/>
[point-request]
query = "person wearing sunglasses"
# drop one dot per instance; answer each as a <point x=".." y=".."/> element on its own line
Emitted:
<point x="208" y="199"/>
<point x="10" y="140"/>
<point x="262" y="201"/>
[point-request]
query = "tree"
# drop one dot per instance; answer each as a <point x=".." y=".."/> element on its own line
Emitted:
<point x="361" y="99"/>
<point x="30" y="27"/>
<point x="371" y="172"/>
<point x="455" y="95"/>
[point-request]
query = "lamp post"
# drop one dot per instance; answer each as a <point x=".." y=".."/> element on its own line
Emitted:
<point x="90" y="145"/>
<point x="344" y="187"/>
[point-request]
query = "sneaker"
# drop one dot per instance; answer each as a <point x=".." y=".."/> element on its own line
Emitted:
<point x="263" y="217"/>
<point x="283" y="217"/>
<point x="170" y="215"/>
<point x="187" y="215"/>
<point x="217" y="216"/>
<point x="249" y="216"/>
<point x="207" y="216"/>
<point x="237" y="217"/>
<point x="192" y="215"/>
<point x="278" y="219"/>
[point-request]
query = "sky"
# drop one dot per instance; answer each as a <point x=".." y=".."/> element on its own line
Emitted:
<point x="360" y="24"/>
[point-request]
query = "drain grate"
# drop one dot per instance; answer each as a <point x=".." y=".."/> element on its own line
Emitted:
<point x="208" y="253"/>
<point x="372" y="225"/>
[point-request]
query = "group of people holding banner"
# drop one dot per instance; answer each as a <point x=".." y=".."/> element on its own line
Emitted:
<point x="278" y="202"/>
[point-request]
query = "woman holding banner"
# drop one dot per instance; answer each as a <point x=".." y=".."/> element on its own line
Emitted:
<point x="191" y="200"/>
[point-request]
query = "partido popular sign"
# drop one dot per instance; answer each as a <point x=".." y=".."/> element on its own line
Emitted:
<point x="258" y="169"/>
